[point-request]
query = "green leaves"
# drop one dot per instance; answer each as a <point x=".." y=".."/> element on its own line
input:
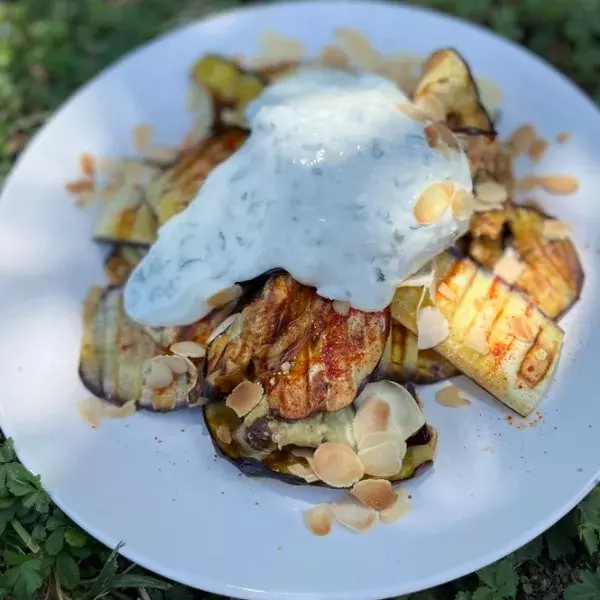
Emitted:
<point x="67" y="570"/>
<point x="589" y="523"/>
<point x="587" y="589"/>
<point x="23" y="580"/>
<point x="559" y="538"/>
<point x="499" y="580"/>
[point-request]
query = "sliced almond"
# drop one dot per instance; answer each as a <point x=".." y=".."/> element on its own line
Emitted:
<point x="337" y="465"/>
<point x="438" y="135"/>
<point x="353" y="515"/>
<point x="377" y="494"/>
<point x="177" y="364"/>
<point x="372" y="416"/>
<point x="142" y="136"/>
<point x="94" y="410"/>
<point x="477" y="340"/>
<point x="188" y="349"/>
<point x="556" y="230"/>
<point x="341" y="307"/>
<point x="491" y="193"/>
<point x="399" y="509"/>
<point x="563" y="137"/>
<point x="462" y="205"/>
<point x="319" y="519"/>
<point x="521" y="328"/>
<point x="245" y="396"/>
<point x="450" y="396"/>
<point x="432" y="106"/>
<point x="88" y="164"/>
<point x="157" y="374"/>
<point x="79" y="186"/>
<point x="222" y="327"/>
<point x="521" y="139"/>
<point x="225" y="296"/>
<point x="304" y="472"/>
<point x="224" y="434"/>
<point x="432" y="203"/>
<point x="335" y="57"/>
<point x="509" y="267"/>
<point x="560" y="185"/>
<point x="432" y="327"/>
<point x="538" y="149"/>
<point x="161" y="154"/>
<point x="412" y="111"/>
<point x="383" y="460"/>
<point x="377" y="438"/>
<point x="307" y="454"/>
<point x="528" y="182"/>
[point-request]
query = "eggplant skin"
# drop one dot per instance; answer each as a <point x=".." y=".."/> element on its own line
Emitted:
<point x="308" y="357"/>
<point x="419" y="456"/>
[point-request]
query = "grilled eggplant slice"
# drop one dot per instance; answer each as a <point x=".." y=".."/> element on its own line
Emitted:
<point x="553" y="275"/>
<point x="308" y="357"/>
<point x="283" y="461"/>
<point x="121" y="262"/>
<point x="403" y="362"/>
<point x="447" y="76"/>
<point x="489" y="322"/>
<point x="171" y="192"/>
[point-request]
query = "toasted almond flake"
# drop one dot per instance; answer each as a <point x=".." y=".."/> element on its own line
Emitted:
<point x="521" y="139"/>
<point x="563" y="137"/>
<point x="477" y="340"/>
<point x="177" y="364"/>
<point x="422" y="278"/>
<point x="446" y="291"/>
<point x="462" y="205"/>
<point x="224" y="434"/>
<point x="222" y="327"/>
<point x="157" y="374"/>
<point x="382" y="460"/>
<point x="341" y="307"/>
<point x="538" y="149"/>
<point x="161" y="154"/>
<point x="353" y="515"/>
<point x="509" y="267"/>
<point x="245" y="396"/>
<point x="307" y="454"/>
<point x="491" y="193"/>
<point x="225" y="296"/>
<point x="372" y="416"/>
<point x="450" y="396"/>
<point x="528" y="182"/>
<point x="79" y="186"/>
<point x="413" y="112"/>
<point x="483" y="207"/>
<point x="554" y="229"/>
<point x="377" y="494"/>
<point x="432" y="106"/>
<point x="559" y="185"/>
<point x="521" y="328"/>
<point x="87" y="164"/>
<point x="432" y="327"/>
<point x="286" y="366"/>
<point x="304" y="472"/>
<point x="319" y="519"/>
<point x="188" y="349"/>
<point x="337" y="465"/>
<point x="533" y="203"/>
<point x="274" y="46"/>
<point x="85" y="199"/>
<point x="359" y="49"/>
<point x="400" y="508"/>
<point x="94" y="410"/>
<point x="142" y="136"/>
<point x="376" y="438"/>
<point x="439" y="136"/>
<point x="335" y="57"/>
<point x="432" y="203"/>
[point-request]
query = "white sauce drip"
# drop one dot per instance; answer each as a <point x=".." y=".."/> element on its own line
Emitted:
<point x="324" y="188"/>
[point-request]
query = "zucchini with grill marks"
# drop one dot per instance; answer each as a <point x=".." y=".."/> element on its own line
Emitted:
<point x="497" y="338"/>
<point x="121" y="262"/>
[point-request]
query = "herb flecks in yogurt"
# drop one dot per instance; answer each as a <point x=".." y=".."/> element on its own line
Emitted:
<point x="325" y="188"/>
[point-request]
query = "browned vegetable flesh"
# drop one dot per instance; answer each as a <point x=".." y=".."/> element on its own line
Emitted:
<point x="402" y="362"/>
<point x="280" y="463"/>
<point x="308" y="357"/>
<point x="121" y="262"/>
<point x="115" y="349"/>
<point x="172" y="191"/>
<point x="553" y="276"/>
<point x="447" y="76"/>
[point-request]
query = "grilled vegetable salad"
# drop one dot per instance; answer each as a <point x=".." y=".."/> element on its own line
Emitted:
<point x="310" y="390"/>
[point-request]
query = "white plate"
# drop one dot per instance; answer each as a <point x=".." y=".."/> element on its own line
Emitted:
<point x="151" y="480"/>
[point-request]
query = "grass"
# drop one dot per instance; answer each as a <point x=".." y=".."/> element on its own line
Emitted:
<point x="48" y="48"/>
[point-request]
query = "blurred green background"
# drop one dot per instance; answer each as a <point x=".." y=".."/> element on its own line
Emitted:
<point x="48" y="48"/>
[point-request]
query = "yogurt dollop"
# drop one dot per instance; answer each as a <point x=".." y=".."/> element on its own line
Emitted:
<point x="324" y="187"/>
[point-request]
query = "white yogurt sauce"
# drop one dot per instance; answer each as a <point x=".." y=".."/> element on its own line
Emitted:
<point x="324" y="188"/>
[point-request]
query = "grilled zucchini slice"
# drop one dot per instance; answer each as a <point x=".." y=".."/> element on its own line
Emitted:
<point x="447" y="76"/>
<point x="402" y="362"/>
<point x="172" y="191"/>
<point x="485" y="340"/>
<point x="121" y="262"/>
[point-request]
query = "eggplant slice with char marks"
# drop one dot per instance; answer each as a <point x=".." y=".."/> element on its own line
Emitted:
<point x="552" y="277"/>
<point x="262" y="445"/>
<point x="308" y="357"/>
<point x="115" y="353"/>
<point x="497" y="338"/>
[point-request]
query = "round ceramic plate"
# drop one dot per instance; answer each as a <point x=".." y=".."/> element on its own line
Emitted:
<point x="152" y="481"/>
